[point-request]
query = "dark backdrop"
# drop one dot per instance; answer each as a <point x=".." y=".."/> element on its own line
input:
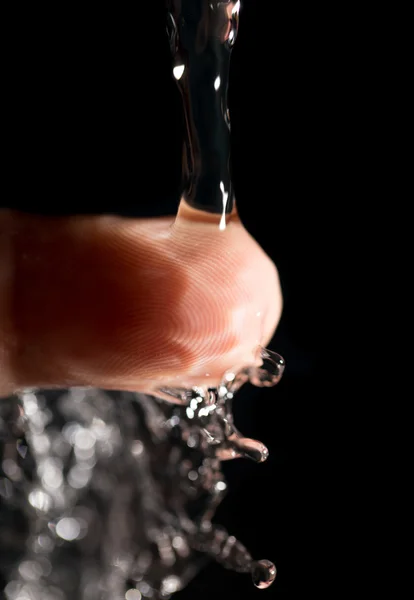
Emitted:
<point x="95" y="126"/>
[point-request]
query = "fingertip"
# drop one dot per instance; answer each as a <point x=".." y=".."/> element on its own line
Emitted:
<point x="124" y="304"/>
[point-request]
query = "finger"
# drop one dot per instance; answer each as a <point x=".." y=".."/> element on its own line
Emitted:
<point x="128" y="304"/>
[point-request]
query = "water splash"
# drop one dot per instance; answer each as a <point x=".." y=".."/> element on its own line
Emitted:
<point x="115" y="492"/>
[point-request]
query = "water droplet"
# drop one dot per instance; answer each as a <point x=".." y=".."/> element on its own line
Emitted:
<point x="263" y="574"/>
<point x="269" y="372"/>
<point x="194" y="404"/>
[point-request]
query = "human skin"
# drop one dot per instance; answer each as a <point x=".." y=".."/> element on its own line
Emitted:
<point x="133" y="304"/>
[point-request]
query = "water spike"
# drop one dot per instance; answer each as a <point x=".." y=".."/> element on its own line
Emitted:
<point x="252" y="449"/>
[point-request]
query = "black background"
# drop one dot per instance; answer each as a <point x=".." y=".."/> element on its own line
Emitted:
<point x="95" y="126"/>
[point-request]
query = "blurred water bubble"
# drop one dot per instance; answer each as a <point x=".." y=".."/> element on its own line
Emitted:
<point x="30" y="570"/>
<point x="11" y="469"/>
<point x="60" y="446"/>
<point x="30" y="591"/>
<point x="40" y="500"/>
<point x="30" y="404"/>
<point x="45" y="565"/>
<point x="84" y="439"/>
<point x="84" y="454"/>
<point x="170" y="584"/>
<point x="100" y="429"/>
<point x="79" y="476"/>
<point x="42" y="543"/>
<point x="6" y="488"/>
<point x="51" y="473"/>
<point x="69" y="431"/>
<point x="174" y="421"/>
<point x="40" y="443"/>
<point x="68" y="529"/>
<point x="192" y="441"/>
<point x="12" y="589"/>
<point x="145" y="589"/>
<point x="133" y="594"/>
<point x="38" y="421"/>
<point x="180" y="546"/>
<point x="54" y="593"/>
<point x="137" y="448"/>
<point x="193" y="475"/>
<point x="221" y="486"/>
